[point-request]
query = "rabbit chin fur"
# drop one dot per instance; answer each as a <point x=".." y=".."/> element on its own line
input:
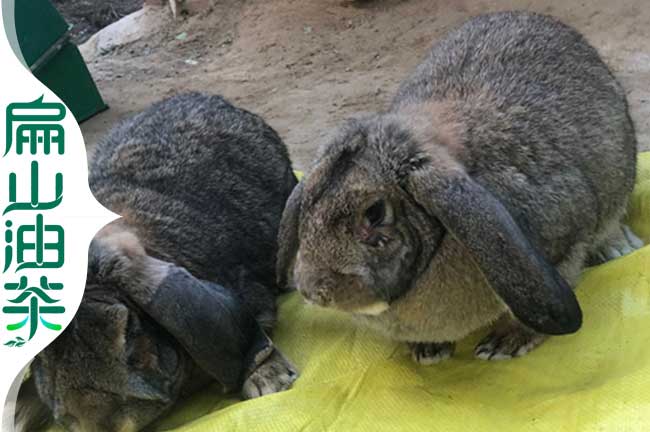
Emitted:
<point x="449" y="300"/>
<point x="514" y="112"/>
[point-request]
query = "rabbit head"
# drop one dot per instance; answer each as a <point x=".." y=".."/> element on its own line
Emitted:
<point x="363" y="239"/>
<point x="129" y="377"/>
<point x="368" y="218"/>
<point x="113" y="368"/>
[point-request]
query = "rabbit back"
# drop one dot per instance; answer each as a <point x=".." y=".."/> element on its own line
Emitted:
<point x="202" y="182"/>
<point x="545" y="125"/>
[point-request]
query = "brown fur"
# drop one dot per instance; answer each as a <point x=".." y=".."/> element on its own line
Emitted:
<point x="451" y="287"/>
<point x="491" y="157"/>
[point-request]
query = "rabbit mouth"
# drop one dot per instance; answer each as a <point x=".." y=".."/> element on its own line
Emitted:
<point x="324" y="298"/>
<point x="372" y="309"/>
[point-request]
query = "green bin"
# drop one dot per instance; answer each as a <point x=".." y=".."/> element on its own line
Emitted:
<point x="56" y="62"/>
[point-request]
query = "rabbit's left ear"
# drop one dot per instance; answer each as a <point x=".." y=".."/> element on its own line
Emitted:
<point x="207" y="319"/>
<point x="531" y="287"/>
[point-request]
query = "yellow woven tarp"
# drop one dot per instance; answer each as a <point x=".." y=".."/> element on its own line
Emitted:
<point x="354" y="380"/>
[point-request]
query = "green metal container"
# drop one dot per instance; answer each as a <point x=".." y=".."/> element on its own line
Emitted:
<point x="45" y="44"/>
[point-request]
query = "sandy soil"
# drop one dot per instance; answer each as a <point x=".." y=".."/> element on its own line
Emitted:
<point x="307" y="64"/>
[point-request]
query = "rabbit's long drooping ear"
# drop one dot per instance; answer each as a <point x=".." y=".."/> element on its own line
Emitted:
<point x="288" y="236"/>
<point x="533" y="290"/>
<point x="332" y="164"/>
<point x="208" y="320"/>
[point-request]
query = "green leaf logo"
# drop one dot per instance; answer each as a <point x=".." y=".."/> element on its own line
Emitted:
<point x="16" y="343"/>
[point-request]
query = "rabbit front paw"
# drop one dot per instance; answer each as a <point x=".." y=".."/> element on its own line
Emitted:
<point x="506" y="342"/>
<point x="273" y="375"/>
<point x="431" y="353"/>
<point x="620" y="243"/>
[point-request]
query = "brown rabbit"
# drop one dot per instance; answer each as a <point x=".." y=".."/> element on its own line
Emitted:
<point x="181" y="290"/>
<point x="504" y="161"/>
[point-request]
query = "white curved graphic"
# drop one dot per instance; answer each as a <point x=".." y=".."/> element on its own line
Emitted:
<point x="48" y="218"/>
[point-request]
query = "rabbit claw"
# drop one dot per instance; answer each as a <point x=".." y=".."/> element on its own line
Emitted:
<point x="431" y="353"/>
<point x="506" y="343"/>
<point x="274" y="374"/>
<point x="622" y="243"/>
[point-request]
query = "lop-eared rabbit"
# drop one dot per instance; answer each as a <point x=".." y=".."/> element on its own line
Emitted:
<point x="181" y="290"/>
<point x="503" y="164"/>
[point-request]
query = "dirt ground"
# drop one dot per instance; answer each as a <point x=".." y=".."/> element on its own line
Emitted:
<point x="305" y="65"/>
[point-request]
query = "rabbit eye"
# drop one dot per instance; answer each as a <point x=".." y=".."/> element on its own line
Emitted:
<point x="375" y="213"/>
<point x="380" y="213"/>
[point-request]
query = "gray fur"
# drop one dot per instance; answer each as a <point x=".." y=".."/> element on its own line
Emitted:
<point x="506" y="157"/>
<point x="33" y="414"/>
<point x="181" y="288"/>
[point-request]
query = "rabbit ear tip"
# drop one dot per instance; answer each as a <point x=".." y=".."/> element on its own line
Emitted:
<point x="558" y="319"/>
<point x="570" y="321"/>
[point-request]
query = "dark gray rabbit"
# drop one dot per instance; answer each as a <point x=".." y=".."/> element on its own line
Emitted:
<point x="504" y="163"/>
<point x="181" y="290"/>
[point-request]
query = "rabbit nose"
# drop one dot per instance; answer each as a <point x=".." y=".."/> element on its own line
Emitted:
<point x="323" y="297"/>
<point x="319" y="296"/>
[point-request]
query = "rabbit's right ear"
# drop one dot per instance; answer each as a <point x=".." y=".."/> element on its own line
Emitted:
<point x="527" y="283"/>
<point x="288" y="238"/>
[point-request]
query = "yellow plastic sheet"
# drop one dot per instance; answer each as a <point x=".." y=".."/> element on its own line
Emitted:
<point x="354" y="380"/>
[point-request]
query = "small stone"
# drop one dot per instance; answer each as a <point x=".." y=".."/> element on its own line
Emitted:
<point x="227" y="40"/>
